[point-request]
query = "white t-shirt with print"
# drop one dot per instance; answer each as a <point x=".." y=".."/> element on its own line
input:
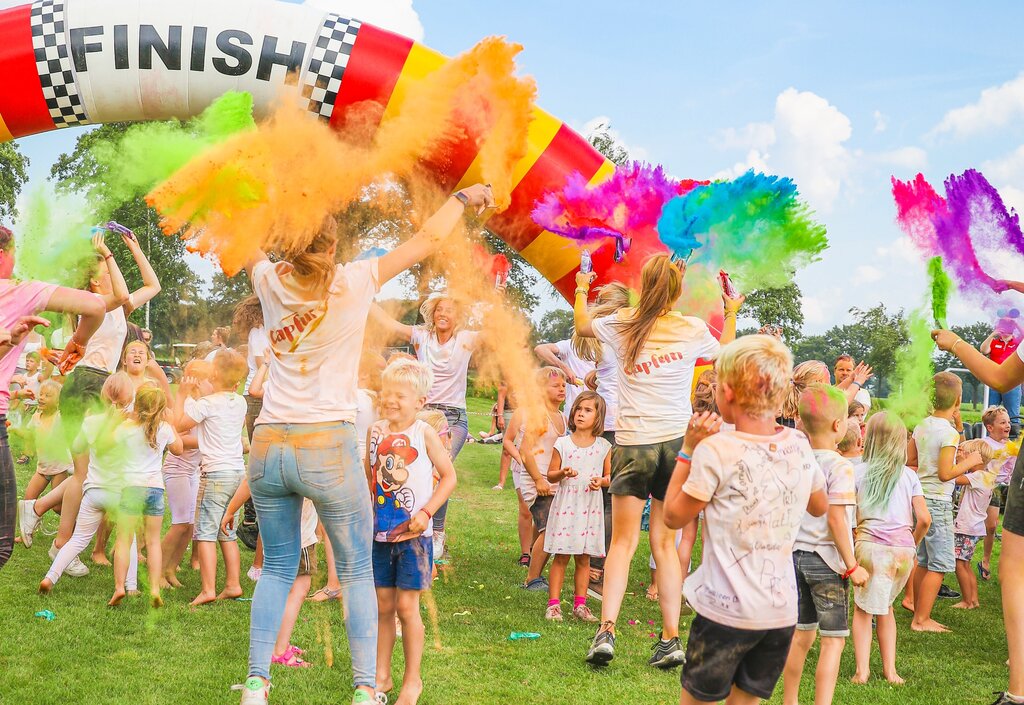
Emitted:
<point x="1004" y="464"/>
<point x="580" y="369"/>
<point x="403" y="479"/>
<point x="840" y="486"/>
<point x="931" y="436"/>
<point x="142" y="463"/>
<point x="970" y="518"/>
<point x="449" y="363"/>
<point x="103" y="351"/>
<point x="654" y="396"/>
<point x="258" y="346"/>
<point x="220" y="418"/>
<point x="893" y="523"/>
<point x="315" y="344"/>
<point x="756" y="489"/>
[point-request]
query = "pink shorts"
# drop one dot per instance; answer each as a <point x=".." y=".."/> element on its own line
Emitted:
<point x="182" y="491"/>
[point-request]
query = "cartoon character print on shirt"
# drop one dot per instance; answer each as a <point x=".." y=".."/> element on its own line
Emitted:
<point x="393" y="499"/>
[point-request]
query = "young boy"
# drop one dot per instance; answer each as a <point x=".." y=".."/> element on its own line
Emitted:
<point x="932" y="450"/>
<point x="851" y="446"/>
<point x="997" y="429"/>
<point x="969" y="526"/>
<point x="823" y="555"/>
<point x="219" y="420"/>
<point x="404" y="454"/>
<point x="753" y="485"/>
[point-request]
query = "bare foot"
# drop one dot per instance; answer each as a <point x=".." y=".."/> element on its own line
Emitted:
<point x="203" y="598"/>
<point x="384" y="685"/>
<point x="100" y="558"/>
<point x="908" y="606"/>
<point x="929" y="625"/>
<point x="194" y="565"/>
<point x="116" y="598"/>
<point x="860" y="678"/>
<point x="45" y="586"/>
<point x="962" y="605"/>
<point x="230" y="593"/>
<point x="410" y="693"/>
<point x="156" y="601"/>
<point x="170" y="580"/>
<point x="894" y="678"/>
<point x="652" y="593"/>
<point x="133" y="593"/>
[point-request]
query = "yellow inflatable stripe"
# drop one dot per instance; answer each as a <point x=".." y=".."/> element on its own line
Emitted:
<point x="420" y="63"/>
<point x="553" y="255"/>
<point x="543" y="128"/>
<point x="5" y="134"/>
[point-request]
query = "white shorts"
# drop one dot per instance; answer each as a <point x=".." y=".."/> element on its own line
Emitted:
<point x="889" y="568"/>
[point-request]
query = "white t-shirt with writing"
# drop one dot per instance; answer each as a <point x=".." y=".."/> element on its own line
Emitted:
<point x="315" y="344"/>
<point x="220" y="418"/>
<point x="970" y="518"/>
<point x="654" y="395"/>
<point x="103" y="351"/>
<point x="580" y="369"/>
<point x="931" y="436"/>
<point x="142" y="463"/>
<point x="893" y="523"/>
<point x="259" y="346"/>
<point x="403" y="479"/>
<point x="815" y="535"/>
<point x="756" y="489"/>
<point x="449" y="363"/>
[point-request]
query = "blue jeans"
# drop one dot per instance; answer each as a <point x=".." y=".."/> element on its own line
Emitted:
<point x="1010" y="400"/>
<point x="458" y="424"/>
<point x="319" y="461"/>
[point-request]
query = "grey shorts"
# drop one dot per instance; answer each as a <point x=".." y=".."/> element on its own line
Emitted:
<point x="823" y="600"/>
<point x="539" y="510"/>
<point x="215" y="493"/>
<point x="644" y="471"/>
<point x="935" y="553"/>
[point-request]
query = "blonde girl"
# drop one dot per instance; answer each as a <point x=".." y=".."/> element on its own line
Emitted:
<point x="581" y="464"/>
<point x="804" y="375"/>
<point x="892" y="518"/>
<point x="53" y="463"/>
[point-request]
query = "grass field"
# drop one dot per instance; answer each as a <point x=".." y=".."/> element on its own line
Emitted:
<point x="134" y="655"/>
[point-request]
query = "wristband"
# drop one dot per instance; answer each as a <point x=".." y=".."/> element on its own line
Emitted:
<point x="850" y="572"/>
<point x="461" y="197"/>
<point x="427" y="512"/>
<point x="859" y="385"/>
<point x="952" y="350"/>
<point x="107" y="256"/>
<point x="683" y="457"/>
<point x="580" y="290"/>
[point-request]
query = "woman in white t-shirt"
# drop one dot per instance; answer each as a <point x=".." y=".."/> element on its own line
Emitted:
<point x="1004" y="377"/>
<point x="656" y="349"/>
<point x="19" y="304"/>
<point x="305" y="445"/>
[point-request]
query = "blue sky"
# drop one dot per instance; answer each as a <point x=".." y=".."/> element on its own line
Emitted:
<point x="837" y="96"/>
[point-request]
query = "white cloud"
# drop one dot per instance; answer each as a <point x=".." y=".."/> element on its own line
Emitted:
<point x="996" y="107"/>
<point x="603" y="123"/>
<point x="1007" y="174"/>
<point x="398" y="16"/>
<point x="805" y="141"/>
<point x="910" y="158"/>
<point x="866" y="273"/>
<point x="881" y="121"/>
<point x="900" y="250"/>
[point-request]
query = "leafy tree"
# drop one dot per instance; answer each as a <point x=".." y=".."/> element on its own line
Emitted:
<point x="225" y="293"/>
<point x="554" y="326"/>
<point x="781" y="307"/>
<point x="602" y="139"/>
<point x="13" y="175"/>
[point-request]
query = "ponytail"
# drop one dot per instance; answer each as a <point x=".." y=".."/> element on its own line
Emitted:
<point x="804" y="375"/>
<point x="661" y="283"/>
<point x="315" y="265"/>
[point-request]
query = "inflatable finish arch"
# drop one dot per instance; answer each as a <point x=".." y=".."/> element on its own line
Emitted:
<point x="76" y="62"/>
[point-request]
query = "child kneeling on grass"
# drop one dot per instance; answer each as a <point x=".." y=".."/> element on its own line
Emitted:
<point x="404" y="453"/>
<point x="752" y="485"/>
<point x="892" y="520"/>
<point x="969" y="526"/>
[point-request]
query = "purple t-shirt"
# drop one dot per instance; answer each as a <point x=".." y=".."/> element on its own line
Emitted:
<point x="17" y="300"/>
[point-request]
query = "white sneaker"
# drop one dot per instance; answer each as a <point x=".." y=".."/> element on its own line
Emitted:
<point x="438" y="544"/>
<point x="254" y="573"/>
<point x="53" y="550"/>
<point x="76" y="569"/>
<point x="254" y="691"/>
<point x="28" y="520"/>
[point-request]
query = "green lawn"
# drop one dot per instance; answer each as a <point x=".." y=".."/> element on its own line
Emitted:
<point x="92" y="654"/>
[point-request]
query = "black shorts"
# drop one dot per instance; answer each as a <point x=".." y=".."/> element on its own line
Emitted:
<point x="80" y="396"/>
<point x="539" y="510"/>
<point x="823" y="601"/>
<point x="718" y="657"/>
<point x="644" y="470"/>
<point x="998" y="496"/>
<point x="1013" y="516"/>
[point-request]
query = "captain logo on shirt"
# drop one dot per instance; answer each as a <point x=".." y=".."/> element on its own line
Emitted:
<point x="297" y="327"/>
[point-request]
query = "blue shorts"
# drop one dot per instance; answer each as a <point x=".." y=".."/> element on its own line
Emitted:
<point x="405" y="565"/>
<point x="935" y="553"/>
<point x="215" y="493"/>
<point x="142" y="501"/>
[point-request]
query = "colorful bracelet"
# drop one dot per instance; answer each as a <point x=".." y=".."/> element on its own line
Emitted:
<point x="848" y="573"/>
<point x="683" y="457"/>
<point x="427" y="512"/>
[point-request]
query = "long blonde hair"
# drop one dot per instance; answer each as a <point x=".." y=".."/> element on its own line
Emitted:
<point x="315" y="265"/>
<point x="150" y="405"/>
<point x="661" y="283"/>
<point x="885" y="453"/>
<point x="804" y="375"/>
<point x="610" y="299"/>
<point x="429" y="306"/>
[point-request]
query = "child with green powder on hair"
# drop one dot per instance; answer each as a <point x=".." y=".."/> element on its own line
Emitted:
<point x="892" y="518"/>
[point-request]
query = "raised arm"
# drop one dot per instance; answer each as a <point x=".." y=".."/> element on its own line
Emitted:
<point x="434" y="231"/>
<point x="150" y="284"/>
<point x="90" y="309"/>
<point x="581" y="320"/>
<point x="395" y="329"/>
<point x="548" y="353"/>
<point x="1006" y="284"/>
<point x="1003" y="377"/>
<point x="118" y="295"/>
<point x="732" y="309"/>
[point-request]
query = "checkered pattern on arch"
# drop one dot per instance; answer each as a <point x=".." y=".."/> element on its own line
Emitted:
<point x="49" y="41"/>
<point x="327" y="64"/>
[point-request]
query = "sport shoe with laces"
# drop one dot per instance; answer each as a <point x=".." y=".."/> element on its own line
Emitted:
<point x="667" y="653"/>
<point x="583" y="612"/>
<point x="602" y="650"/>
<point x="254" y="691"/>
<point x="553" y="613"/>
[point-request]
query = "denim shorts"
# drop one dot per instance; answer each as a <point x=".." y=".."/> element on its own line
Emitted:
<point x="142" y="501"/>
<point x="823" y="600"/>
<point x="935" y="553"/>
<point x="215" y="493"/>
<point x="644" y="471"/>
<point x="405" y="565"/>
